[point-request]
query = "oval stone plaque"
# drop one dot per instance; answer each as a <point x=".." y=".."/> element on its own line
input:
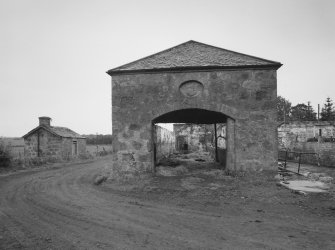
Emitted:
<point x="191" y="88"/>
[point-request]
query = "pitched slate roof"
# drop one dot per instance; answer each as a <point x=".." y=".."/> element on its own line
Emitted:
<point x="58" y="131"/>
<point x="194" y="55"/>
<point x="65" y="132"/>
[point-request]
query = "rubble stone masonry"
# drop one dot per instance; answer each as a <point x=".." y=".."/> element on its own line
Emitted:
<point x="305" y="137"/>
<point x="52" y="145"/>
<point x="246" y="96"/>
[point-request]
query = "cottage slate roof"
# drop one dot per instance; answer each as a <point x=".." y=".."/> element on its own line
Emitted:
<point x="58" y="131"/>
<point x="65" y="132"/>
<point x="194" y="55"/>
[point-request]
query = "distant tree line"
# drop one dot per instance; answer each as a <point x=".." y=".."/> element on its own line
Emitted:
<point x="98" y="139"/>
<point x="303" y="112"/>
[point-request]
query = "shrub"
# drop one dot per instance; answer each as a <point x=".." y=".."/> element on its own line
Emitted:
<point x="5" y="155"/>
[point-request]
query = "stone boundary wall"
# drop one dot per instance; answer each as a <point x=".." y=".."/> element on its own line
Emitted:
<point x="325" y="151"/>
<point x="165" y="142"/>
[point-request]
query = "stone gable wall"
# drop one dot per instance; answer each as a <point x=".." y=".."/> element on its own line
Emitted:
<point x="50" y="145"/>
<point x="247" y="97"/>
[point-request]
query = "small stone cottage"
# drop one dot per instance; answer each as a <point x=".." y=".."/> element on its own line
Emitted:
<point x="47" y="140"/>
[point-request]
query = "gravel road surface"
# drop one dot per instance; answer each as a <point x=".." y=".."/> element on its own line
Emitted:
<point x="61" y="208"/>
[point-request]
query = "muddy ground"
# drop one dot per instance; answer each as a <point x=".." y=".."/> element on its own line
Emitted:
<point x="199" y="208"/>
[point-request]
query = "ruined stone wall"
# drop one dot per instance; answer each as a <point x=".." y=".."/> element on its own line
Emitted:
<point x="201" y="137"/>
<point x="295" y="137"/>
<point x="248" y="97"/>
<point x="197" y="137"/>
<point x="324" y="153"/>
<point x="165" y="142"/>
<point x="294" y="132"/>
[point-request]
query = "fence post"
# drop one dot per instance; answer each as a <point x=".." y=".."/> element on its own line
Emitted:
<point x="285" y="158"/>
<point x="299" y="162"/>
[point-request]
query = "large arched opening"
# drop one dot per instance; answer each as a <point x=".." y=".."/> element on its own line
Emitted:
<point x="193" y="132"/>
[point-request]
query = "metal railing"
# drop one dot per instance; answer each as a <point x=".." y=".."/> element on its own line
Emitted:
<point x="296" y="155"/>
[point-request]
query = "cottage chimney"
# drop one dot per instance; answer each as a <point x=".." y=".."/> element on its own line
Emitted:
<point x="44" y="121"/>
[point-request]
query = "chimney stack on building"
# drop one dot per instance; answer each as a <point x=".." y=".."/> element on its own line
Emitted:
<point x="44" y="121"/>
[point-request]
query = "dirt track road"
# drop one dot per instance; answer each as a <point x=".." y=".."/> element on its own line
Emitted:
<point x="62" y="209"/>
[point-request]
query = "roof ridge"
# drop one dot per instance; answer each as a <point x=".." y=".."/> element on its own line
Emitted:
<point x="53" y="130"/>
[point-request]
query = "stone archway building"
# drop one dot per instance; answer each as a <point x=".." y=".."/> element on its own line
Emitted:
<point x="195" y="82"/>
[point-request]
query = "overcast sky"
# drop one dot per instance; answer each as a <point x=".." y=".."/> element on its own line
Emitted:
<point x="54" y="53"/>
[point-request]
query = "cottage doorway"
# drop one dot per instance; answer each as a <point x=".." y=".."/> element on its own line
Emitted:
<point x="190" y="133"/>
<point x="74" y="148"/>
